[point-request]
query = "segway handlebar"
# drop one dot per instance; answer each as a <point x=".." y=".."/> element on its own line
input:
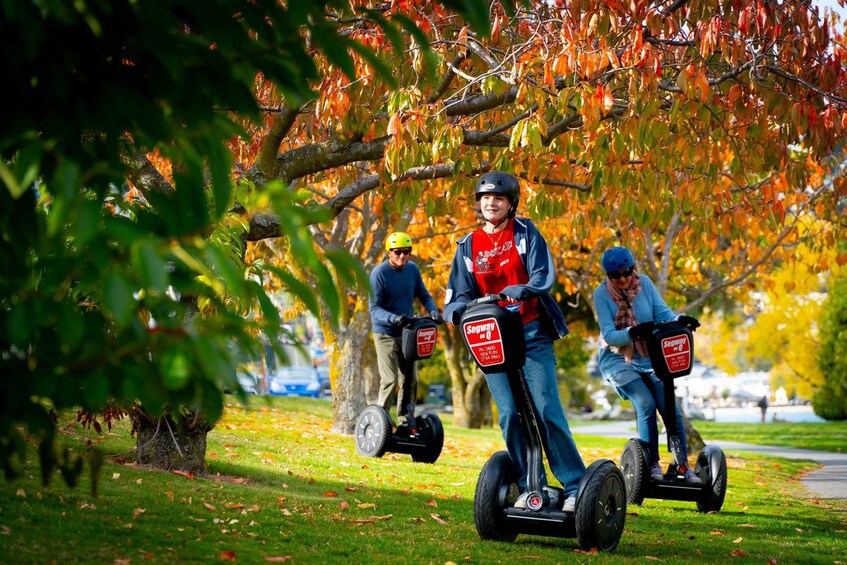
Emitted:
<point x="411" y="320"/>
<point x="487" y="299"/>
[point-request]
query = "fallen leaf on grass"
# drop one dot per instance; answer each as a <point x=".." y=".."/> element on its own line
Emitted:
<point x="330" y="494"/>
<point x="800" y="530"/>
<point x="344" y="505"/>
<point x="737" y="540"/>
<point x="21" y="493"/>
<point x="137" y="512"/>
<point x="183" y="474"/>
<point x="5" y="530"/>
<point x="228" y="555"/>
<point x="651" y="558"/>
<point x="210" y="507"/>
<point x="365" y="521"/>
<point x="592" y="551"/>
<point x="351" y="489"/>
<point x="716" y="533"/>
<point x="739" y="553"/>
<point x="417" y="519"/>
<point x="432" y="502"/>
<point x="386" y="517"/>
<point x="367" y="505"/>
<point x="280" y="559"/>
<point x="234" y="505"/>
<point x="437" y="518"/>
<point x="746" y="525"/>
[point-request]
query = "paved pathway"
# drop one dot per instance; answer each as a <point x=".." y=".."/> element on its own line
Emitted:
<point x="828" y="482"/>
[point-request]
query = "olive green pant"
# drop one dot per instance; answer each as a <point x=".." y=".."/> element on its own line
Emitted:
<point x="393" y="379"/>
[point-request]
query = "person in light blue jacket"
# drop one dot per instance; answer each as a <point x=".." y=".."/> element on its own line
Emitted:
<point x="624" y="300"/>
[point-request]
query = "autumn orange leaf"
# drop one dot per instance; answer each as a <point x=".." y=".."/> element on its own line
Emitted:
<point x="228" y="555"/>
<point x="278" y="559"/>
<point x="330" y="493"/>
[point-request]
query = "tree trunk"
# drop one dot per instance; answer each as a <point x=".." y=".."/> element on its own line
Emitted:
<point x="694" y="439"/>
<point x="471" y="398"/>
<point x="171" y="442"/>
<point x="348" y="356"/>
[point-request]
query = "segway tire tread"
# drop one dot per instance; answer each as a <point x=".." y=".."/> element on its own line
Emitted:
<point x="496" y="476"/>
<point x="429" y="425"/>
<point x="714" y="495"/>
<point x="635" y="470"/>
<point x="601" y="506"/>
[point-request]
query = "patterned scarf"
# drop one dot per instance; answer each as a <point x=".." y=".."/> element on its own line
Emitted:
<point x="625" y="317"/>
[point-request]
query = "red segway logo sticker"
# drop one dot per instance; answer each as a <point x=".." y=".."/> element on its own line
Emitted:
<point x="677" y="353"/>
<point x="485" y="342"/>
<point x="426" y="342"/>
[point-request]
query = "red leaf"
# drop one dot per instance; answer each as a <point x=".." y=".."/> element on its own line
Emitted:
<point x="228" y="555"/>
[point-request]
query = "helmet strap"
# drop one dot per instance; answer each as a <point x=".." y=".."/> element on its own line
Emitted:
<point x="506" y="218"/>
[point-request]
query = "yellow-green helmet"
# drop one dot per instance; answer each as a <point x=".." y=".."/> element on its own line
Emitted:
<point x="398" y="240"/>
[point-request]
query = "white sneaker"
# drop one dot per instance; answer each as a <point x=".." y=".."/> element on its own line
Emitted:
<point x="692" y="478"/>
<point x="656" y="472"/>
<point x="570" y="504"/>
<point x="520" y="503"/>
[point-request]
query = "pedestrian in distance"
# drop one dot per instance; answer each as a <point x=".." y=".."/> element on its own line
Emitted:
<point x="763" y="406"/>
<point x="627" y="306"/>
<point x="509" y="256"/>
<point x="395" y="285"/>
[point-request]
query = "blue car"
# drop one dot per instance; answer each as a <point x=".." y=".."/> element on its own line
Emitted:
<point x="295" y="381"/>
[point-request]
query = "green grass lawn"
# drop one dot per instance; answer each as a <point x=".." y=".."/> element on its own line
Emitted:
<point x="281" y="487"/>
<point x="829" y="436"/>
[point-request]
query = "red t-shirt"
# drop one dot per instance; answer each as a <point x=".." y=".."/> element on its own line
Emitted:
<point x="497" y="265"/>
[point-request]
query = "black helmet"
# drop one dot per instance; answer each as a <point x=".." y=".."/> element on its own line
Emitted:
<point x="497" y="182"/>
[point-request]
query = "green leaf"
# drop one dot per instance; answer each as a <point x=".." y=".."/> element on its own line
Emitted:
<point x="349" y="268"/>
<point x="175" y="368"/>
<point x="95" y="391"/>
<point x="150" y="265"/>
<point x="118" y="297"/>
<point x="335" y="47"/>
<point x="297" y="288"/>
<point x="220" y="165"/>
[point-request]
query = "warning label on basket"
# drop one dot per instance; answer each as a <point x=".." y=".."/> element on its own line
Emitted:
<point x="426" y="342"/>
<point x="677" y="353"/>
<point x="486" y="343"/>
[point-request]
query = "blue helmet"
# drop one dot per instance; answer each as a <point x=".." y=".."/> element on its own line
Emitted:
<point x="617" y="259"/>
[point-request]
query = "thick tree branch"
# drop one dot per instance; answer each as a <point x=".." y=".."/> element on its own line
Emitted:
<point x="267" y="159"/>
<point x="141" y="172"/>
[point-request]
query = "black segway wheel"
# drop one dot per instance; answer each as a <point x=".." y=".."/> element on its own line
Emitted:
<point x="432" y="432"/>
<point x="497" y="477"/>
<point x="373" y="430"/>
<point x="601" y="506"/>
<point x="711" y="468"/>
<point x="636" y="472"/>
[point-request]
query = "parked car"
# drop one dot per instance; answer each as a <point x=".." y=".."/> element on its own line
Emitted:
<point x="323" y="377"/>
<point x="295" y="381"/>
<point x="248" y="382"/>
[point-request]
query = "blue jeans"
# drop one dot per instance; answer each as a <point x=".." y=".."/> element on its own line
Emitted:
<point x="647" y="394"/>
<point x="540" y="373"/>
